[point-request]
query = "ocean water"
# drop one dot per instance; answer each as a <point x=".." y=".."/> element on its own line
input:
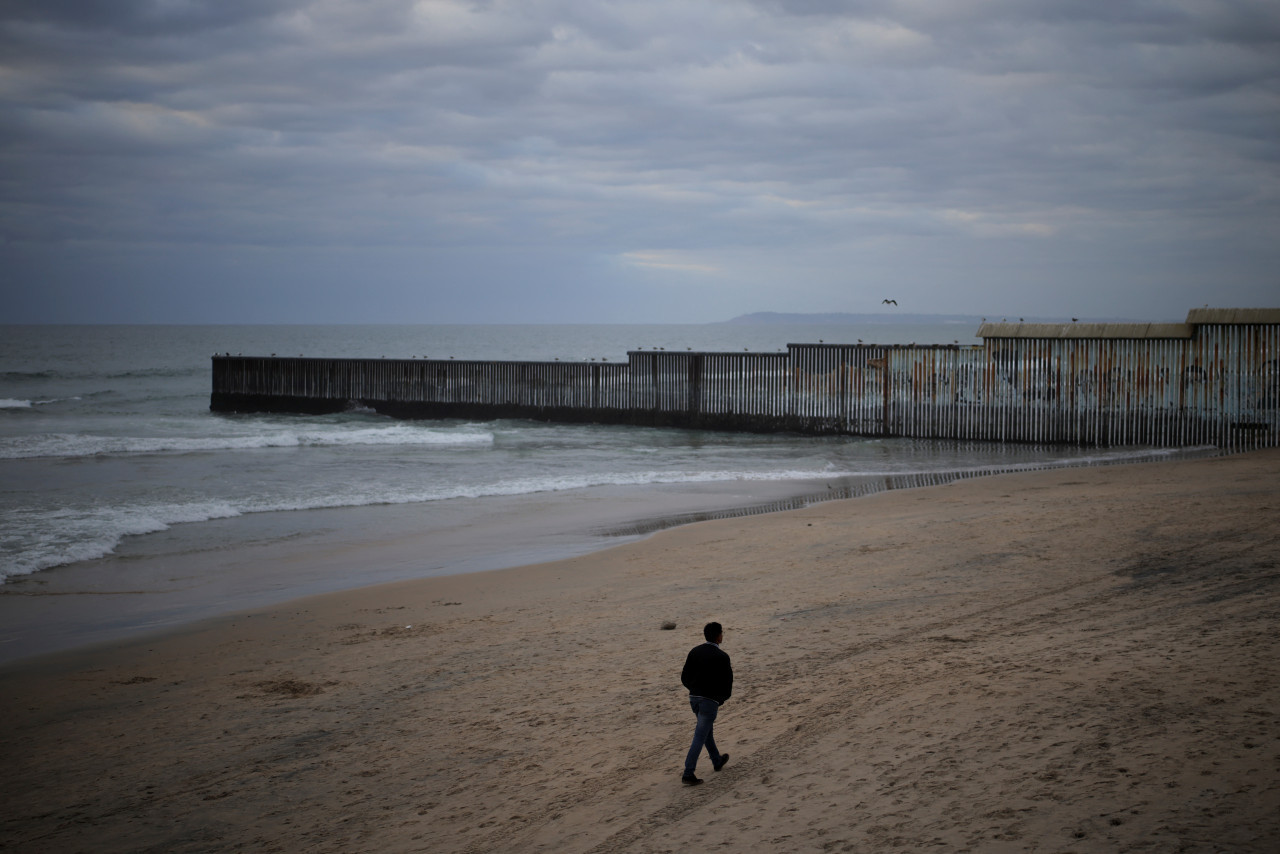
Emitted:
<point x="106" y="433"/>
<point x="107" y="444"/>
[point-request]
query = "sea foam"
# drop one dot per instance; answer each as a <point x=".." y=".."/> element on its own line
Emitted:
<point x="58" y="537"/>
<point x="71" y="445"/>
<point x="61" y="537"/>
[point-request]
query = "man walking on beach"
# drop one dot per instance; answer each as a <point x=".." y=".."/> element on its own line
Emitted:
<point x="709" y="678"/>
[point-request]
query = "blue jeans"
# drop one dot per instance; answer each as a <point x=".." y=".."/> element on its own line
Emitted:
<point x="706" y="711"/>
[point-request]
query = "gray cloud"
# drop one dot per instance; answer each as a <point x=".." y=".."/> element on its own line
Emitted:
<point x="544" y="160"/>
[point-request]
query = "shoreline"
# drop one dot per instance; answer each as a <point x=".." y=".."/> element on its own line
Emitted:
<point x="1083" y="659"/>
<point x="164" y="581"/>
<point x="161" y="581"/>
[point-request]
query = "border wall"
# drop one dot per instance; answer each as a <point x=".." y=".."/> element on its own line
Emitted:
<point x="1214" y="380"/>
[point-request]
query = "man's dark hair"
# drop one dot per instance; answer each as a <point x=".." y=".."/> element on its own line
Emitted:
<point x="711" y="631"/>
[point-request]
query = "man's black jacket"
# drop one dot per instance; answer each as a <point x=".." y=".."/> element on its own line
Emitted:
<point x="707" y="673"/>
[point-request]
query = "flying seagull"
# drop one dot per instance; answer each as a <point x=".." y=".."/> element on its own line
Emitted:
<point x="889" y="302"/>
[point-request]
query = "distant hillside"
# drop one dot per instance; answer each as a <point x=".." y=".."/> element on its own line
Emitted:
<point x="767" y="317"/>
<point x="774" y="317"/>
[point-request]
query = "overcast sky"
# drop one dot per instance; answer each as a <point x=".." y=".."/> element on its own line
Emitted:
<point x="635" y="160"/>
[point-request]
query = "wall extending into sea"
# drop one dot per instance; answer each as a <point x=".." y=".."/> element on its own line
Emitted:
<point x="1213" y="380"/>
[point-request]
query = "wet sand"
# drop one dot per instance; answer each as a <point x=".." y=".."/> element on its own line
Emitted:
<point x="190" y="572"/>
<point x="1069" y="660"/>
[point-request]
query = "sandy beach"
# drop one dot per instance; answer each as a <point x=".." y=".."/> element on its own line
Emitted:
<point x="1069" y="660"/>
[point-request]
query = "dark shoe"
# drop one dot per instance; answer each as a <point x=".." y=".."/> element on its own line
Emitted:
<point x="724" y="760"/>
<point x="690" y="781"/>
